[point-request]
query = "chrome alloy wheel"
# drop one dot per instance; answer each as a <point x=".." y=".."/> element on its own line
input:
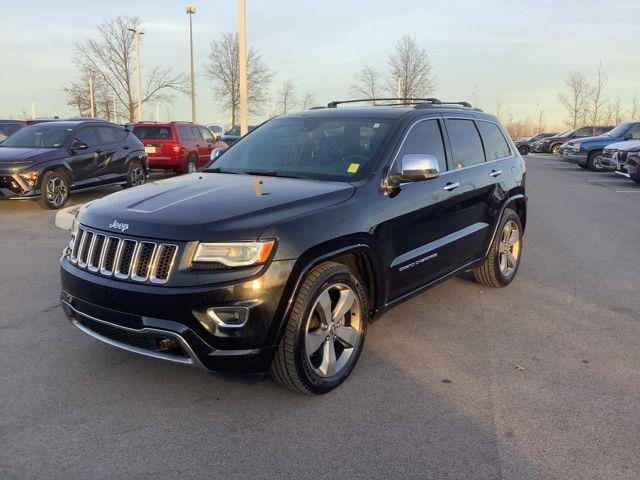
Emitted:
<point x="137" y="175"/>
<point x="56" y="191"/>
<point x="334" y="329"/>
<point x="509" y="248"/>
<point x="191" y="167"/>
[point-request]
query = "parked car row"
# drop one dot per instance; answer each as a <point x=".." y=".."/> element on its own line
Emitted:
<point x="46" y="160"/>
<point x="553" y="143"/>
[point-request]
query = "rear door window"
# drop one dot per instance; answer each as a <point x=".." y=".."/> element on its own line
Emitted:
<point x="184" y="133"/>
<point x="495" y="145"/>
<point x="195" y="133"/>
<point x="583" y="132"/>
<point x="208" y="136"/>
<point x="466" y="145"/>
<point x="110" y="135"/>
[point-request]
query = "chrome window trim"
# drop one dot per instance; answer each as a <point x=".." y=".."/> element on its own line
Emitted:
<point x="404" y="138"/>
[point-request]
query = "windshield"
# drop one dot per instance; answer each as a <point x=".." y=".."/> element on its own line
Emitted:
<point x="620" y="130"/>
<point x="340" y="149"/>
<point x="40" y="135"/>
<point x="565" y="134"/>
<point x="153" y="133"/>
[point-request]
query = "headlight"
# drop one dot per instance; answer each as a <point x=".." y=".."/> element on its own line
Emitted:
<point x="235" y="254"/>
<point x="576" y="147"/>
<point x="30" y="177"/>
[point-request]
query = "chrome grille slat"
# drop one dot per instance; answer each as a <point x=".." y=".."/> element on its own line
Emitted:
<point x="123" y="258"/>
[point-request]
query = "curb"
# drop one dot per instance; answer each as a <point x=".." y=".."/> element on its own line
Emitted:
<point x="65" y="217"/>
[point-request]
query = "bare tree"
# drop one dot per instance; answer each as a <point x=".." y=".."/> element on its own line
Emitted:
<point x="597" y="100"/>
<point x="287" y="96"/>
<point x="367" y="84"/>
<point x="78" y="96"/>
<point x="223" y="68"/>
<point x="112" y="59"/>
<point x="615" y="113"/>
<point x="576" y="102"/>
<point x="309" y="100"/>
<point x="410" y="65"/>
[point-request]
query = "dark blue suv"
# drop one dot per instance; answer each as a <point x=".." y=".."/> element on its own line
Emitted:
<point x="587" y="152"/>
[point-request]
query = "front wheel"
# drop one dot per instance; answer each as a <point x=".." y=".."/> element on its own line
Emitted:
<point x="136" y="174"/>
<point x="54" y="190"/>
<point x="324" y="333"/>
<point x="635" y="178"/>
<point x="555" y="149"/>
<point x="523" y="149"/>
<point x="502" y="262"/>
<point x="594" y="162"/>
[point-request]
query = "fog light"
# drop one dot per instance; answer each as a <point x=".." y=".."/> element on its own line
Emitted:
<point x="167" y="344"/>
<point x="229" y="317"/>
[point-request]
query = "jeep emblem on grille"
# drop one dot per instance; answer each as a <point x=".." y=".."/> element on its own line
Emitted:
<point x="116" y="225"/>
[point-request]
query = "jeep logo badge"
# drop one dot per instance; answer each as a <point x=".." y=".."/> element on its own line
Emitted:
<point x="116" y="225"/>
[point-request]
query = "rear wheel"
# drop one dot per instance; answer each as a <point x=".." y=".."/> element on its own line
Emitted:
<point x="54" y="190"/>
<point x="594" y="162"/>
<point x="192" y="164"/>
<point x="585" y="166"/>
<point x="555" y="149"/>
<point x="502" y="262"/>
<point x="635" y="178"/>
<point x="325" y="331"/>
<point x="136" y="174"/>
<point x="523" y="149"/>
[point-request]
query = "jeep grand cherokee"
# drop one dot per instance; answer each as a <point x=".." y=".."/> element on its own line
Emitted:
<point x="277" y="256"/>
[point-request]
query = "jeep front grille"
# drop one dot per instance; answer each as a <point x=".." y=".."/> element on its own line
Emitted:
<point x="124" y="258"/>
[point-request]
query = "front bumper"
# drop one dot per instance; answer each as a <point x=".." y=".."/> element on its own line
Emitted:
<point x="147" y="319"/>
<point x="574" y="157"/>
<point x="13" y="187"/>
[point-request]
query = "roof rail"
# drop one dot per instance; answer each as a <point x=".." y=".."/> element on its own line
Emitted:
<point x="403" y="101"/>
<point x="460" y="104"/>
<point x="180" y="121"/>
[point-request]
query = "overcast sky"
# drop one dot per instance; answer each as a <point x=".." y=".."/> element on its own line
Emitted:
<point x="516" y="51"/>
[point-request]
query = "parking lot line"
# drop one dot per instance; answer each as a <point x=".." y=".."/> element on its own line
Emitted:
<point x="551" y="163"/>
<point x="628" y="191"/>
<point x="607" y="180"/>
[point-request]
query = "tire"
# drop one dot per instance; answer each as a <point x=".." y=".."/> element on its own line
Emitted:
<point x="136" y="174"/>
<point x="54" y="190"/>
<point x="555" y="149"/>
<point x="492" y="273"/>
<point x="293" y="367"/>
<point x="635" y="178"/>
<point x="191" y="165"/>
<point x="523" y="149"/>
<point x="585" y="166"/>
<point x="593" y="162"/>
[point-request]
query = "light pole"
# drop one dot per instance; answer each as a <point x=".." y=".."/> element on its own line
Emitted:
<point x="91" y="98"/>
<point x="242" y="53"/>
<point x="136" y="34"/>
<point x="191" y="10"/>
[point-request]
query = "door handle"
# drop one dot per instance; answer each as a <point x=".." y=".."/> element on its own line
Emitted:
<point x="495" y="173"/>
<point x="451" y="186"/>
<point x="126" y="147"/>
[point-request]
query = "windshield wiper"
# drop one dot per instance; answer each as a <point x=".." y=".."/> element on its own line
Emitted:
<point x="220" y="170"/>
<point x="269" y="173"/>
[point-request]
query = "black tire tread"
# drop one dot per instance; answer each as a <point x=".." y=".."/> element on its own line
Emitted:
<point x="283" y="368"/>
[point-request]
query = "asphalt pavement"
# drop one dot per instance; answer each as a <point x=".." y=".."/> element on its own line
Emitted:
<point x="539" y="380"/>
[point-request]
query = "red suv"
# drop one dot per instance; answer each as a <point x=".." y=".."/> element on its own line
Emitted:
<point x="179" y="146"/>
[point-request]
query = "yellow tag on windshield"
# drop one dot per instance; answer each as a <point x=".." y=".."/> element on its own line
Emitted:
<point x="353" y="168"/>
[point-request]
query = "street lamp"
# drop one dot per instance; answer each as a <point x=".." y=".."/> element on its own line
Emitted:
<point x="242" y="53"/>
<point x="191" y="10"/>
<point x="136" y="34"/>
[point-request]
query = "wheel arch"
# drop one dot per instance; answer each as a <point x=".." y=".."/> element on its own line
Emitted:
<point x="518" y="203"/>
<point x="61" y="168"/>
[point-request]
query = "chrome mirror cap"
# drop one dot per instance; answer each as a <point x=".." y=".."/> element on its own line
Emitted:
<point x="417" y="167"/>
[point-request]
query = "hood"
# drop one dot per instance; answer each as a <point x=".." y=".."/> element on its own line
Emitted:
<point x="625" y="146"/>
<point x="211" y="206"/>
<point x="21" y="155"/>
<point x="599" y="139"/>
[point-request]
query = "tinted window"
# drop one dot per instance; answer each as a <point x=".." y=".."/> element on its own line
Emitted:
<point x="583" y="132"/>
<point x="206" y="134"/>
<point x="10" y="128"/>
<point x="425" y="138"/>
<point x="153" y="133"/>
<point x="111" y="134"/>
<point x="339" y="149"/>
<point x="40" y="135"/>
<point x="465" y="143"/>
<point x="195" y="132"/>
<point x="635" y="132"/>
<point x="495" y="145"/>
<point x="86" y="135"/>
<point x="215" y="128"/>
<point x="184" y="133"/>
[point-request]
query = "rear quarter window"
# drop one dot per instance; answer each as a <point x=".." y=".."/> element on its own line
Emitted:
<point x="495" y="145"/>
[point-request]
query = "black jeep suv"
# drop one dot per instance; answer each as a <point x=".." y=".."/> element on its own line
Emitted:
<point x="278" y="254"/>
<point x="46" y="161"/>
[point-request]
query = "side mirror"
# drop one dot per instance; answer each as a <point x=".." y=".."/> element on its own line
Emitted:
<point x="216" y="152"/>
<point x="79" y="146"/>
<point x="418" y="167"/>
<point x="629" y="136"/>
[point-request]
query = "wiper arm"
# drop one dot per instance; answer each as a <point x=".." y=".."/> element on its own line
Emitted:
<point x="269" y="173"/>
<point x="220" y="170"/>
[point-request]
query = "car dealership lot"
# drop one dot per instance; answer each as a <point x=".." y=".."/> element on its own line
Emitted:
<point x="538" y="380"/>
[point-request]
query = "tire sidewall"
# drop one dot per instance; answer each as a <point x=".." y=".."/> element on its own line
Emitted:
<point x="315" y="383"/>
<point x="508" y="215"/>
<point x="191" y="160"/>
<point x="592" y="164"/>
<point x="132" y="165"/>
